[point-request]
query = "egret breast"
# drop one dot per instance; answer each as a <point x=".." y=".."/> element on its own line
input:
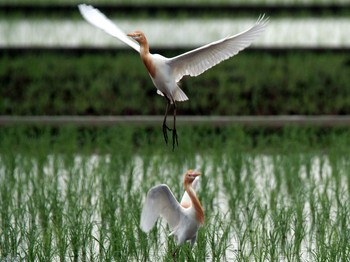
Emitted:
<point x="151" y="68"/>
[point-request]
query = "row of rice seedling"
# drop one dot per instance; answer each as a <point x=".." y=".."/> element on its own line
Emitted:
<point x="323" y="32"/>
<point x="77" y="193"/>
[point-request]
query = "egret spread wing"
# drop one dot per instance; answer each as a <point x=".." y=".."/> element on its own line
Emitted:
<point x="197" y="61"/>
<point x="186" y="200"/>
<point x="96" y="18"/>
<point x="160" y="201"/>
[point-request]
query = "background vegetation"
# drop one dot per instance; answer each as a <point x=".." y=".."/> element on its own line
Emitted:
<point x="114" y="82"/>
<point x="256" y="82"/>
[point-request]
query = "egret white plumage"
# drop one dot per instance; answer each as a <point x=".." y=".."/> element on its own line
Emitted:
<point x="184" y="218"/>
<point x="167" y="72"/>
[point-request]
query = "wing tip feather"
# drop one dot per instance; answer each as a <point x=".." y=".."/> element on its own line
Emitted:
<point x="147" y="220"/>
<point x="263" y="20"/>
<point x="145" y="227"/>
<point x="83" y="8"/>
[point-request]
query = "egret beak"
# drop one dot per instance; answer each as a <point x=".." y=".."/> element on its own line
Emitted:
<point x="132" y="35"/>
<point x="194" y="173"/>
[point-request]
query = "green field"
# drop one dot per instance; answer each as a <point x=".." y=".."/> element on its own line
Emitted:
<point x="102" y="83"/>
<point x="269" y="195"/>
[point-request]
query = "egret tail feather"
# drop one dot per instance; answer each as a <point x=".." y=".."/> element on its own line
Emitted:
<point x="180" y="95"/>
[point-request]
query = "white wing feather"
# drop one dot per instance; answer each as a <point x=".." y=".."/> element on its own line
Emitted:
<point x="160" y="201"/>
<point x="197" y="61"/>
<point x="186" y="198"/>
<point x="96" y="18"/>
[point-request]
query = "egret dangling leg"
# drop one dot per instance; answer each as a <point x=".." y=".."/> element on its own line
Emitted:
<point x="174" y="128"/>
<point x="165" y="127"/>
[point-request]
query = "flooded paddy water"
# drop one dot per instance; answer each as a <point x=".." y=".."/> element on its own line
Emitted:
<point x="281" y="204"/>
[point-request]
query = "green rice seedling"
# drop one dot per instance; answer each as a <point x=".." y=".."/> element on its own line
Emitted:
<point x="76" y="194"/>
<point x="218" y="237"/>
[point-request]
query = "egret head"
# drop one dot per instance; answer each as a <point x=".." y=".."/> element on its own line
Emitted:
<point x="191" y="175"/>
<point x="138" y="36"/>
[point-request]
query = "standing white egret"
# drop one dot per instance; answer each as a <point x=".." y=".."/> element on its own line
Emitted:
<point x="184" y="218"/>
<point x="167" y="72"/>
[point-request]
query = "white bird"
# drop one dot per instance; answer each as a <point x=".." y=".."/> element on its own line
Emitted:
<point x="184" y="218"/>
<point x="167" y="72"/>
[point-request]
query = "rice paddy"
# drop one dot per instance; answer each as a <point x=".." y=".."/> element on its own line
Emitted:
<point x="321" y="32"/>
<point x="75" y="194"/>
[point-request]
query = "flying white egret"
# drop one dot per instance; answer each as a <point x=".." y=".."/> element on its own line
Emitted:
<point x="167" y="72"/>
<point x="184" y="218"/>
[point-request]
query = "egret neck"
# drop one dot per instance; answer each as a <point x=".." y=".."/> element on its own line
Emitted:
<point x="195" y="201"/>
<point x="146" y="56"/>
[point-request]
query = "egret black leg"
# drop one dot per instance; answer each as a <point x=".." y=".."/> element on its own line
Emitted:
<point x="174" y="129"/>
<point x="165" y="127"/>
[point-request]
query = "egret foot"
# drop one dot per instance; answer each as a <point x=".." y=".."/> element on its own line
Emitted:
<point x="165" y="132"/>
<point x="175" y="139"/>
